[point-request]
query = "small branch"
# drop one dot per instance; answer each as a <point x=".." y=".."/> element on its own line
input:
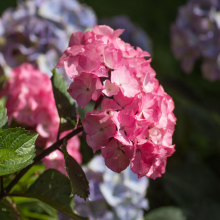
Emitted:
<point x="58" y="133"/>
<point x="98" y="101"/>
<point x="60" y="150"/>
<point x="40" y="156"/>
<point x="16" y="194"/>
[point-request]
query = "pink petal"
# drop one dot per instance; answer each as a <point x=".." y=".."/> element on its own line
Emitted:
<point x="128" y="150"/>
<point x="142" y="53"/>
<point x="118" y="162"/>
<point x="79" y="92"/>
<point x="122" y="137"/>
<point x="128" y="83"/>
<point x="63" y="58"/>
<point x="75" y="50"/>
<point x="109" y="131"/>
<point x="96" y="88"/>
<point x="156" y="171"/>
<point x="109" y="104"/>
<point x="126" y="117"/>
<point x="112" y="57"/>
<point x="117" y="33"/>
<point x="109" y="149"/>
<point x="91" y="125"/>
<point x="121" y="99"/>
<point x="139" y="166"/>
<point x="89" y="60"/>
<point x="103" y="30"/>
<point x="110" y="88"/>
<point x="83" y="99"/>
<point x="101" y="72"/>
<point x="70" y="66"/>
<point x="75" y="38"/>
<point x="96" y="141"/>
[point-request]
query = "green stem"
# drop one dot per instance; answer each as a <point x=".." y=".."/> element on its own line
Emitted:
<point x="40" y="156"/>
<point x="16" y="194"/>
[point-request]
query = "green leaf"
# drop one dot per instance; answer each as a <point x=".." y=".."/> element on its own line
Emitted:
<point x="53" y="188"/>
<point x="85" y="149"/>
<point x="165" y="213"/>
<point x="28" y="207"/>
<point x="3" y="117"/>
<point x="17" y="147"/>
<point x="64" y="102"/>
<point x="7" y="212"/>
<point x="79" y="182"/>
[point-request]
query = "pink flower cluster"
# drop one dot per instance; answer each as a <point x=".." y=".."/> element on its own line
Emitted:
<point x="136" y="121"/>
<point x="31" y="102"/>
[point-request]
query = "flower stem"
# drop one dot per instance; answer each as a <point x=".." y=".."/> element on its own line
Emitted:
<point x="58" y="133"/>
<point x="98" y="101"/>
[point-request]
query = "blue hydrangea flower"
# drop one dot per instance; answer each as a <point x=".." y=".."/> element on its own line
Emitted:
<point x="196" y="34"/>
<point x="113" y="196"/>
<point x="38" y="31"/>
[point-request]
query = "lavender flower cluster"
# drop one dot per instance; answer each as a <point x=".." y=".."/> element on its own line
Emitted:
<point x="37" y="31"/>
<point x="124" y="193"/>
<point x="196" y="34"/>
<point x="113" y="196"/>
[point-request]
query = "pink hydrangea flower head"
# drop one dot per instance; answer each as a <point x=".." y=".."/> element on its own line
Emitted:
<point x="30" y="101"/>
<point x="135" y="124"/>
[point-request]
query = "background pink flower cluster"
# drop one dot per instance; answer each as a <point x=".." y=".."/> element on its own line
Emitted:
<point x="136" y="121"/>
<point x="30" y="102"/>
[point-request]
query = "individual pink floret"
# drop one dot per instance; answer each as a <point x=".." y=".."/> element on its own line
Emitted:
<point x="112" y="57"/>
<point x="84" y="88"/>
<point x="99" y="127"/>
<point x="146" y="154"/>
<point x="117" y="157"/>
<point x="110" y="88"/>
<point x="125" y="81"/>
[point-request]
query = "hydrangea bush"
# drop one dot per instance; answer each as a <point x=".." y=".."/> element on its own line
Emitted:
<point x="132" y="124"/>
<point x="196" y="34"/>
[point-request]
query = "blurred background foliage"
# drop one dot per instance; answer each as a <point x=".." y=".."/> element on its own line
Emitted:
<point x="191" y="185"/>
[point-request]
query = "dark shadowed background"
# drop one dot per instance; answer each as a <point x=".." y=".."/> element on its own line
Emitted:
<point x="192" y="180"/>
